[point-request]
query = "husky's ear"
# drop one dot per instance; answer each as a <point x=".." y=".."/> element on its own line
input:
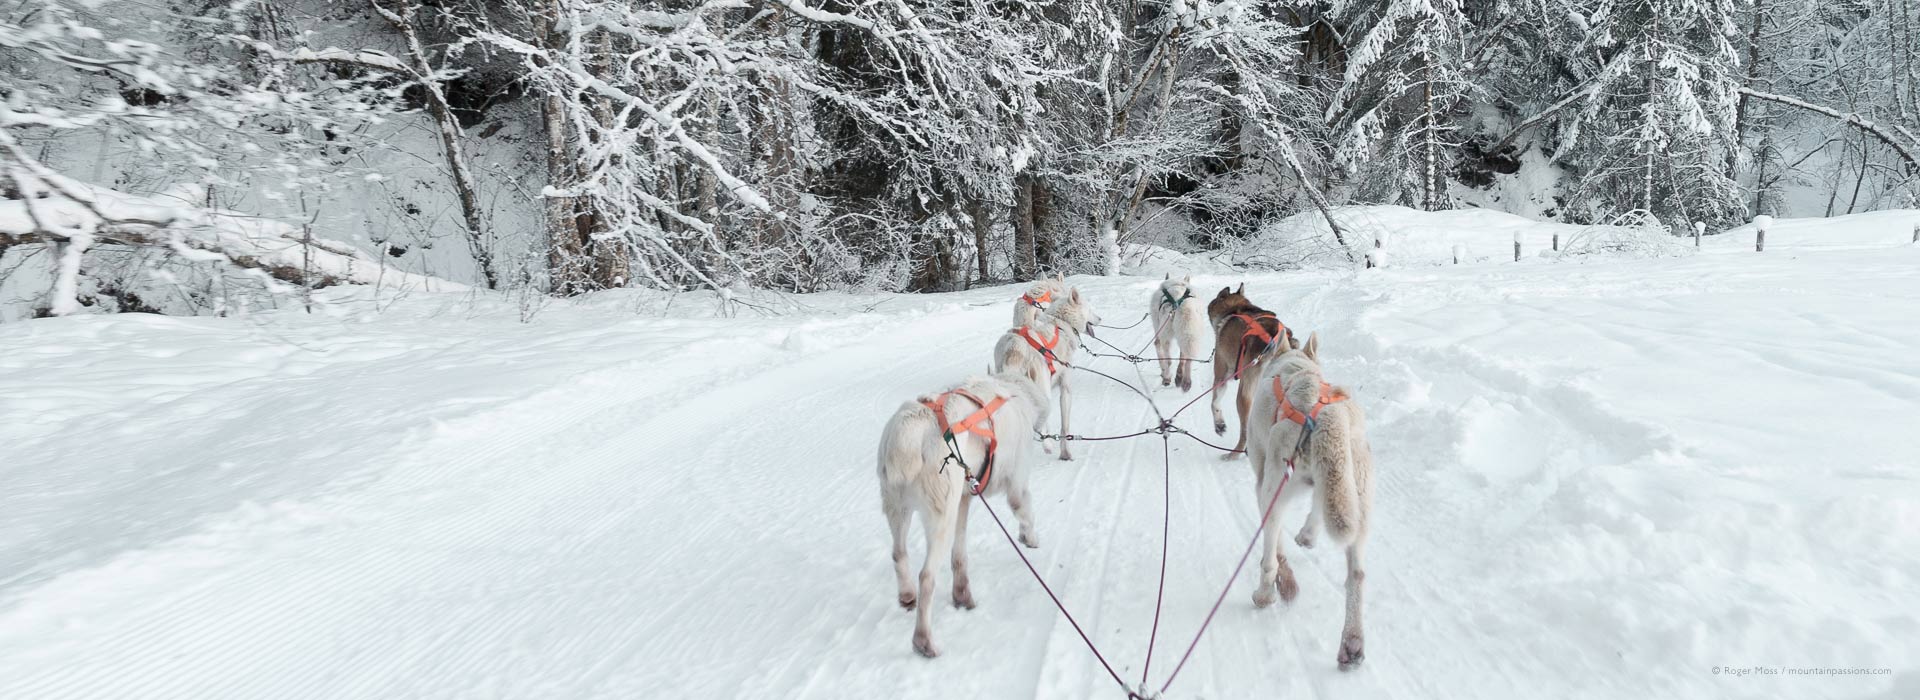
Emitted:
<point x="1313" y="346"/>
<point x="1166" y="277"/>
<point x="1281" y="346"/>
<point x="1075" y="295"/>
<point x="1187" y="279"/>
<point x="1226" y="291"/>
<point x="1242" y="289"/>
<point x="1061" y="276"/>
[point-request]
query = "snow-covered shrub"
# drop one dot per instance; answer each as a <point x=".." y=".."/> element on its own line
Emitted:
<point x="1635" y="235"/>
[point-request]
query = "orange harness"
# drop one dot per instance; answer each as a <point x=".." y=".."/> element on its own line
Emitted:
<point x="1309" y="419"/>
<point x="1044" y="297"/>
<point x="1255" y="330"/>
<point x="979" y="423"/>
<point x="1046" y="349"/>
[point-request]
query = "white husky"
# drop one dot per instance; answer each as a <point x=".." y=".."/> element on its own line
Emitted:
<point x="1046" y="346"/>
<point x="1177" y="318"/>
<point x="1039" y="297"/>
<point x="917" y="475"/>
<point x="1334" y="463"/>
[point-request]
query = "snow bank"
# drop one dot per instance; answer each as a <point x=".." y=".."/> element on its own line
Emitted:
<point x="1876" y="229"/>
<point x="1142" y="260"/>
<point x="1412" y="237"/>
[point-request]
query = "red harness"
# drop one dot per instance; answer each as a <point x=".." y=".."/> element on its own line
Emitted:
<point x="979" y="423"/>
<point x="1046" y="349"/>
<point x="1044" y="297"/>
<point x="1255" y="330"/>
<point x="1328" y="396"/>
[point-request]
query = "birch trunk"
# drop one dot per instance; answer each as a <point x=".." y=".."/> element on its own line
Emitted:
<point x="565" y="251"/>
<point x="479" y="239"/>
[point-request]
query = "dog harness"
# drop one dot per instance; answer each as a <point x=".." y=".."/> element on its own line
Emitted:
<point x="1034" y="301"/>
<point x="979" y="422"/>
<point x="1172" y="302"/>
<point x="1046" y="349"/>
<point x="1255" y="330"/>
<point x="1311" y="417"/>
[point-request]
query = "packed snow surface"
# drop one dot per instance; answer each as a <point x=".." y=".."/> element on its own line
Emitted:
<point x="1599" y="478"/>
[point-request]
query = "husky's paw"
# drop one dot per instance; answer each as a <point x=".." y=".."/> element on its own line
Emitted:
<point x="1046" y="446"/>
<point x="1184" y="384"/>
<point x="907" y="599"/>
<point x="963" y="597"/>
<point x="1065" y="456"/>
<point x="1304" y="539"/>
<point x="1032" y="541"/>
<point x="1166" y="382"/>
<point x="1219" y="427"/>
<point x="1263" y="596"/>
<point x="1288" y="588"/>
<point x="1351" y="653"/>
<point x="1230" y="456"/>
<point x="923" y="643"/>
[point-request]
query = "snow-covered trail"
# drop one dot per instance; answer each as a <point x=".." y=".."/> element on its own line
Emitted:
<point x="1582" y="492"/>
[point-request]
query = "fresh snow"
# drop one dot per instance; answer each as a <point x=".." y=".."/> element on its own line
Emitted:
<point x="1414" y="237"/>
<point x="1597" y="478"/>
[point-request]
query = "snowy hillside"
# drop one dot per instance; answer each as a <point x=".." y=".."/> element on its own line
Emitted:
<point x="1622" y="478"/>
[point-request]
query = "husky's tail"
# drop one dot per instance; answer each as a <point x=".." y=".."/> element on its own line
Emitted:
<point x="908" y="445"/>
<point x="1332" y="444"/>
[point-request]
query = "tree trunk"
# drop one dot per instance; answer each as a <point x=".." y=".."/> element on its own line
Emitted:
<point x="611" y="258"/>
<point x="936" y="272"/>
<point x="1432" y="179"/>
<point x="1649" y="143"/>
<point x="979" y="210"/>
<point x="1743" y="108"/>
<point x="478" y="237"/>
<point x="1046" y="249"/>
<point x="566" y="247"/>
<point x="1026" y="264"/>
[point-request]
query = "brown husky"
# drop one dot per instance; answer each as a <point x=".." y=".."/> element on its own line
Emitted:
<point x="1242" y="334"/>
<point x="1301" y="422"/>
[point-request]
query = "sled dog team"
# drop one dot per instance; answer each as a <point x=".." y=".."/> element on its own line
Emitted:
<point x="983" y="430"/>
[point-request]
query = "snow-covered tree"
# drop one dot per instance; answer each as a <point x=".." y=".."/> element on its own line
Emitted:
<point x="1656" y="132"/>
<point x="1395" y="110"/>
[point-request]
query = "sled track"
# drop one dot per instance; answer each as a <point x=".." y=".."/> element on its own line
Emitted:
<point x="704" y="522"/>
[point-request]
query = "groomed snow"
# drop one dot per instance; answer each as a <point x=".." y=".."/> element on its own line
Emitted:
<point x="1599" y="478"/>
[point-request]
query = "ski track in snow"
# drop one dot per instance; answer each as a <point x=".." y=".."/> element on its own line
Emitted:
<point x="1585" y="488"/>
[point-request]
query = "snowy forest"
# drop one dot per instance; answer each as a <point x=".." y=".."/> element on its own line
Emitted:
<point x="616" y="349"/>
<point x="186" y="156"/>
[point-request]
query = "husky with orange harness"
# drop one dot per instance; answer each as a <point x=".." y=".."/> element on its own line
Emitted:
<point x="933" y="452"/>
<point x="1243" y="332"/>
<point x="1046" y="347"/>
<point x="1039" y="297"/>
<point x="1300" y="423"/>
